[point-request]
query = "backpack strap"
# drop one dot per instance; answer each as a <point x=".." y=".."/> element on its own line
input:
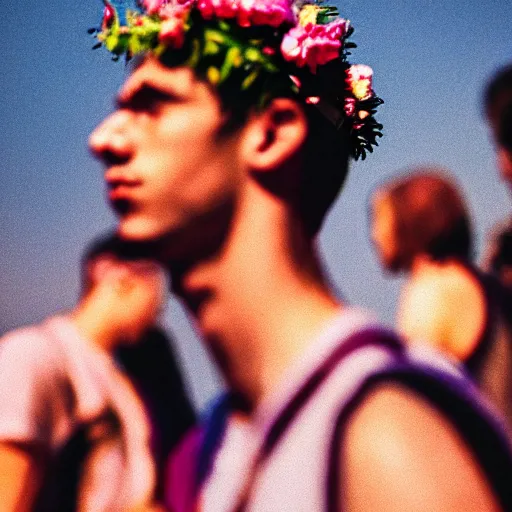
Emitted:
<point x="364" y="338"/>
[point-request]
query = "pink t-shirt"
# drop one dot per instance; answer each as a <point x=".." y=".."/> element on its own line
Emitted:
<point x="52" y="382"/>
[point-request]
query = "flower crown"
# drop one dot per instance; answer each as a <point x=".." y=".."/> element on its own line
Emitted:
<point x="253" y="51"/>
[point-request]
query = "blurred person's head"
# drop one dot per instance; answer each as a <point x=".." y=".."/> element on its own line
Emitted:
<point x="498" y="258"/>
<point x="128" y="284"/>
<point x="498" y="109"/>
<point x="421" y="214"/>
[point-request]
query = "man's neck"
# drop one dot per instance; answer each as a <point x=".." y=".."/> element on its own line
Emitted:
<point x="260" y="302"/>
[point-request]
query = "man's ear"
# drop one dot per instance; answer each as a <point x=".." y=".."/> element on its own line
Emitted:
<point x="275" y="135"/>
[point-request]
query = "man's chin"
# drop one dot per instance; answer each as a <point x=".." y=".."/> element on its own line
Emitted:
<point x="134" y="230"/>
<point x="164" y="247"/>
<point x="147" y="242"/>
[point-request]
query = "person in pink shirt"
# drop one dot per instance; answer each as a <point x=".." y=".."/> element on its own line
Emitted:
<point x="74" y="432"/>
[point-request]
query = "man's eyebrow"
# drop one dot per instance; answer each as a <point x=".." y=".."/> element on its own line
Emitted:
<point x="146" y="90"/>
<point x="142" y="94"/>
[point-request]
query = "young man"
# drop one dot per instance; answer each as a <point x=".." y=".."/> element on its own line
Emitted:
<point x="74" y="435"/>
<point x="421" y="227"/>
<point x="227" y="166"/>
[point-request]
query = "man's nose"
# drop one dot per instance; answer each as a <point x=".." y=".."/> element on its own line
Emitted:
<point x="109" y="141"/>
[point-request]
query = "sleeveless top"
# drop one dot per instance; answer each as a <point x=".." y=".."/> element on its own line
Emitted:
<point x="289" y="458"/>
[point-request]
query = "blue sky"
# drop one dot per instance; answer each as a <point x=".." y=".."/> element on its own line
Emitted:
<point x="431" y="60"/>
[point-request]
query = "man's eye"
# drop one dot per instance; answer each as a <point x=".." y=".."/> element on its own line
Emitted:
<point x="147" y="100"/>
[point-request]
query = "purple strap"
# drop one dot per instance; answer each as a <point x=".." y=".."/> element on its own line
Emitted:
<point x="364" y="338"/>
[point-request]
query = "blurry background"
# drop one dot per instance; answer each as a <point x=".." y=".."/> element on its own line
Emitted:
<point x="431" y="61"/>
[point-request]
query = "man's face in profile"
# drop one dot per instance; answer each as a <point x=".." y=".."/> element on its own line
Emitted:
<point x="167" y="168"/>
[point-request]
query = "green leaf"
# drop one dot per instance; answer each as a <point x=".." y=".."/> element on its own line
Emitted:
<point x="213" y="75"/>
<point x="253" y="55"/>
<point x="249" y="80"/>
<point x="112" y="42"/>
<point x="233" y="59"/>
<point x="215" y="36"/>
<point x="224" y="26"/>
<point x="135" y="45"/>
<point x="235" y="56"/>
<point x="211" y="48"/>
<point x="195" y="54"/>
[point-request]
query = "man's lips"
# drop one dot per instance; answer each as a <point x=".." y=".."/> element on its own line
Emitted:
<point x="121" y="192"/>
<point x="120" y="187"/>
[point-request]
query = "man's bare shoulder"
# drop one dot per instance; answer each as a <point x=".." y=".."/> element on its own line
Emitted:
<point x="443" y="287"/>
<point x="399" y="449"/>
<point x="445" y="309"/>
<point x="23" y="335"/>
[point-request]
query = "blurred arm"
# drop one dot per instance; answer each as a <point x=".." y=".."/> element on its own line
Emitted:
<point x="19" y="477"/>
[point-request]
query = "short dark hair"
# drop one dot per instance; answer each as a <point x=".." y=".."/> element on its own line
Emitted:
<point x="431" y="217"/>
<point x="325" y="159"/>
<point x="324" y="162"/>
<point x="504" y="129"/>
<point x="502" y="254"/>
<point x="324" y="171"/>
<point x="498" y="94"/>
<point x="109" y="244"/>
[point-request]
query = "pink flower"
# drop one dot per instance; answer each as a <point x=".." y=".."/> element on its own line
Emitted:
<point x="153" y="6"/>
<point x="174" y="9"/>
<point x="314" y="45"/>
<point x="265" y="12"/>
<point x="109" y="15"/>
<point x="206" y="9"/>
<point x="296" y="81"/>
<point x="172" y="31"/>
<point x="164" y="7"/>
<point x="218" y="8"/>
<point x="249" y="12"/>
<point x="359" y="80"/>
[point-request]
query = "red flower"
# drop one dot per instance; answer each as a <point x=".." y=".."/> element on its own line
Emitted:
<point x="109" y="15"/>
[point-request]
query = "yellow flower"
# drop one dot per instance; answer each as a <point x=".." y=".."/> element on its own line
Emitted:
<point x="362" y="89"/>
<point x="308" y="14"/>
<point x="213" y="75"/>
